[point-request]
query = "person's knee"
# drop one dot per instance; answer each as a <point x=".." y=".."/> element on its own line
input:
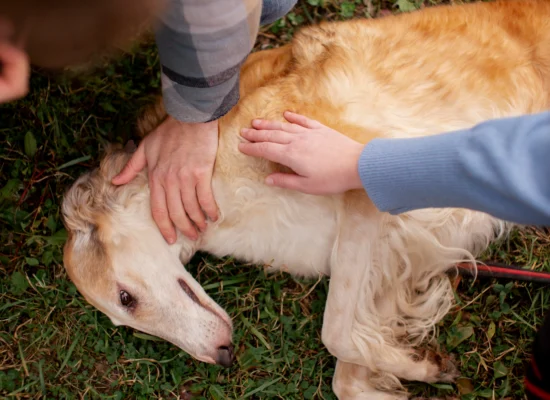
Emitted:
<point x="272" y="10"/>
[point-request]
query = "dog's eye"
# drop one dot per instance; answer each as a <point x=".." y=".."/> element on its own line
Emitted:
<point x="126" y="300"/>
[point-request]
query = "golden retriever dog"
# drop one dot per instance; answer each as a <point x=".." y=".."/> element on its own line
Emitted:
<point x="422" y="73"/>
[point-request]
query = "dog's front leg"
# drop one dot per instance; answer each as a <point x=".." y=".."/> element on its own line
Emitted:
<point x="352" y="330"/>
<point x="350" y="261"/>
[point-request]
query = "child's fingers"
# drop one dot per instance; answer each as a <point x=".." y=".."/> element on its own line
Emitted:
<point x="269" y="125"/>
<point x="301" y="120"/>
<point x="274" y="136"/>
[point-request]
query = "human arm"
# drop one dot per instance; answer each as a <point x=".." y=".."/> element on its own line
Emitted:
<point x="500" y="167"/>
<point x="202" y="44"/>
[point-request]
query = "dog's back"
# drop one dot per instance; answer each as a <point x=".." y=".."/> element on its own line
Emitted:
<point x="427" y="72"/>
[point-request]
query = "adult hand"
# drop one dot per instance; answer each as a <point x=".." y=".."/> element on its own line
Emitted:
<point x="14" y="67"/>
<point x="180" y="159"/>
<point x="324" y="160"/>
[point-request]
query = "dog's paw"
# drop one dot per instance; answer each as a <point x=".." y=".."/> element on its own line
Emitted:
<point x="444" y="369"/>
<point x="448" y="370"/>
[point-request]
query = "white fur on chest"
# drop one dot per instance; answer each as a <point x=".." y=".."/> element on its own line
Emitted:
<point x="283" y="230"/>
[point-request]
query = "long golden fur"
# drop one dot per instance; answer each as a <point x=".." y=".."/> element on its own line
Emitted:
<point x="431" y="71"/>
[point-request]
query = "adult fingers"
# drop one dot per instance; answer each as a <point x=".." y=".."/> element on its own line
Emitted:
<point x="160" y="211"/>
<point x="177" y="212"/>
<point x="271" y="151"/>
<point x="188" y="193"/>
<point x="137" y="162"/>
<point x="206" y="197"/>
<point x="266" y="136"/>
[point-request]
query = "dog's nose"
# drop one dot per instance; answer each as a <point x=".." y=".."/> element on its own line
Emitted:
<point x="226" y="356"/>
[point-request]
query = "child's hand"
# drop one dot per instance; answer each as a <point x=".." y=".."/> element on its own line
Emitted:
<point x="325" y="161"/>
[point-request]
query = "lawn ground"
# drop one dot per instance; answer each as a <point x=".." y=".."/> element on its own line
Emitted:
<point x="54" y="345"/>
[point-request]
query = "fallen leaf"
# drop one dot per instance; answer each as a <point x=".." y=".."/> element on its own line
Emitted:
<point x="491" y="331"/>
<point x="464" y="385"/>
<point x="500" y="369"/>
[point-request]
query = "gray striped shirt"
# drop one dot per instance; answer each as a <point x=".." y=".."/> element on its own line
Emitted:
<point x="202" y="45"/>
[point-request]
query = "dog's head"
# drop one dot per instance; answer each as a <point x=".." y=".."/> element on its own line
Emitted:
<point x="118" y="260"/>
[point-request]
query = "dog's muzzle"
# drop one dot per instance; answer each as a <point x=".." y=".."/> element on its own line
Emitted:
<point x="226" y="356"/>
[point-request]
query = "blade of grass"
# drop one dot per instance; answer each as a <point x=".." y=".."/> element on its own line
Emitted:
<point x="74" y="162"/>
<point x="71" y="349"/>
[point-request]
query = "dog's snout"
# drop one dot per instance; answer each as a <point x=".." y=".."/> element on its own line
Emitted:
<point x="189" y="291"/>
<point x="226" y="356"/>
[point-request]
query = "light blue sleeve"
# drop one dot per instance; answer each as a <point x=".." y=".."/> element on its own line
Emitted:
<point x="500" y="167"/>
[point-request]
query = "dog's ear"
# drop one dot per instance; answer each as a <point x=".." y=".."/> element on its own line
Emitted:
<point x="80" y="203"/>
<point x="113" y="161"/>
<point x="92" y="196"/>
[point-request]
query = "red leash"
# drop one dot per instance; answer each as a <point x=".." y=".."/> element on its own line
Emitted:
<point x="502" y="271"/>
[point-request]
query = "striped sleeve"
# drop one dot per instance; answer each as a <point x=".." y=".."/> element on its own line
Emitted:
<point x="202" y="45"/>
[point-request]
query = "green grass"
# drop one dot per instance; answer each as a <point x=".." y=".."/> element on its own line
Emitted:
<point x="54" y="345"/>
